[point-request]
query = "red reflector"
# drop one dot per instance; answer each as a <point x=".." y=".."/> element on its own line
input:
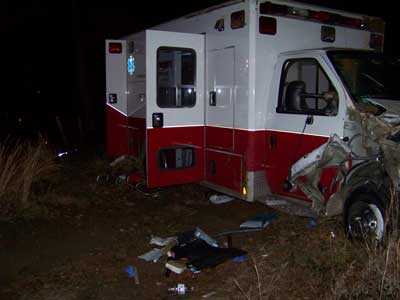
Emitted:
<point x="267" y="25"/>
<point x="238" y="19"/>
<point x="115" y="48"/>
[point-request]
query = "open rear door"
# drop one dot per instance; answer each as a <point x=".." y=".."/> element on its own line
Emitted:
<point x="174" y="107"/>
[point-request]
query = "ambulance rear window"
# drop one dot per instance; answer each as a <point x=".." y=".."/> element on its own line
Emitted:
<point x="176" y="77"/>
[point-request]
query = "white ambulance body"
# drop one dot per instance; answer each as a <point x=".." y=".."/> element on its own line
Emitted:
<point x="211" y="97"/>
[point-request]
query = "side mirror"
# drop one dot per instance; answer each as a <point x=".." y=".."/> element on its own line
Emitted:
<point x="294" y="96"/>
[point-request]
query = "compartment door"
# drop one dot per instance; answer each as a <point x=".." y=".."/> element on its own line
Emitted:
<point x="174" y="107"/>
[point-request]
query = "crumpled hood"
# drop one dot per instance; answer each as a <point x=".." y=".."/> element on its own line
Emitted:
<point x="392" y="107"/>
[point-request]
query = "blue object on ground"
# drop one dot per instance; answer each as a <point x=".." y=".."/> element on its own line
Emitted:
<point x="312" y="223"/>
<point x="131" y="271"/>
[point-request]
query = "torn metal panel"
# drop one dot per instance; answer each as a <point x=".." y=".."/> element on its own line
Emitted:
<point x="306" y="172"/>
<point x="379" y="138"/>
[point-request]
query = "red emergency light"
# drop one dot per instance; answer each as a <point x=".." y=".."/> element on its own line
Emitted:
<point x="115" y="48"/>
<point x="269" y="8"/>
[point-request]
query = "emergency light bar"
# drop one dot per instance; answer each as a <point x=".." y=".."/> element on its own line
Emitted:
<point x="369" y="24"/>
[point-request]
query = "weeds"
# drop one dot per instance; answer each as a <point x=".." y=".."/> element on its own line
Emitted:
<point x="331" y="266"/>
<point x="22" y="165"/>
<point x="378" y="276"/>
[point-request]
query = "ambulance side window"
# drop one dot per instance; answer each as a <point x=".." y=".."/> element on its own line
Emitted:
<point x="306" y="89"/>
<point x="176" y="77"/>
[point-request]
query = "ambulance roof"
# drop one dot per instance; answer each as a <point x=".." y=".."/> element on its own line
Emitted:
<point x="285" y="2"/>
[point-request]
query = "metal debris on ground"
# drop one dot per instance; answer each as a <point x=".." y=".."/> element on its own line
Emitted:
<point x="153" y="255"/>
<point x="220" y="199"/>
<point x="161" y="242"/>
<point x="259" y="221"/>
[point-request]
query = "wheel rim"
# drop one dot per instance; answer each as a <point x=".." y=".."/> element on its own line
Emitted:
<point x="367" y="223"/>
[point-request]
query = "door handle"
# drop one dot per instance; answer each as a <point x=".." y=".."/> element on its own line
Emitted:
<point x="273" y="141"/>
<point x="158" y="120"/>
<point x="213" y="98"/>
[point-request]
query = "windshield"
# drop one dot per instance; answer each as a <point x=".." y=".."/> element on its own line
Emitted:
<point x="367" y="74"/>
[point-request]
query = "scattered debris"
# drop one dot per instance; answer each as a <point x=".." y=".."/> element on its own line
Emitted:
<point x="161" y="242"/>
<point x="194" y="250"/>
<point x="220" y="199"/>
<point x="132" y="273"/>
<point x="153" y="255"/>
<point x="176" y="266"/>
<point x="259" y="221"/>
<point x="208" y="295"/>
<point x="180" y="289"/>
<point x="205" y="237"/>
<point x="200" y="255"/>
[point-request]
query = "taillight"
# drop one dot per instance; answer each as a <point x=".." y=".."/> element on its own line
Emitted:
<point x="115" y="48"/>
<point x="267" y="25"/>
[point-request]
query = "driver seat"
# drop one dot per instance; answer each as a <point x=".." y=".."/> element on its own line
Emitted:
<point x="293" y="96"/>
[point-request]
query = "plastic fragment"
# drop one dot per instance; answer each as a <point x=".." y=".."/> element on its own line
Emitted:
<point x="220" y="199"/>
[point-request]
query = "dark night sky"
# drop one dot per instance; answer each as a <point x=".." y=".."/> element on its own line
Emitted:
<point x="57" y="47"/>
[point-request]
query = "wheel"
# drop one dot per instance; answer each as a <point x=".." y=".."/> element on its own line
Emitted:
<point x="365" y="219"/>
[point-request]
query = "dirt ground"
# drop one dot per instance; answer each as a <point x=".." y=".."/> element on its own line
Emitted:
<point x="91" y="232"/>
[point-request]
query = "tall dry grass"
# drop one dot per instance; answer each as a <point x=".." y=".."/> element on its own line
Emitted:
<point x="378" y="276"/>
<point x="328" y="268"/>
<point x="22" y="164"/>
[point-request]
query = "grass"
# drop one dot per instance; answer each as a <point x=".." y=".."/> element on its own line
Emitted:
<point x="22" y="165"/>
<point x="378" y="277"/>
<point x="323" y="264"/>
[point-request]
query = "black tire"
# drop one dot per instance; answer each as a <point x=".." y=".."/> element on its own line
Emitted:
<point x="365" y="218"/>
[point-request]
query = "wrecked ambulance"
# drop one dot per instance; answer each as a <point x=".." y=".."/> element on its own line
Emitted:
<point x="259" y="98"/>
